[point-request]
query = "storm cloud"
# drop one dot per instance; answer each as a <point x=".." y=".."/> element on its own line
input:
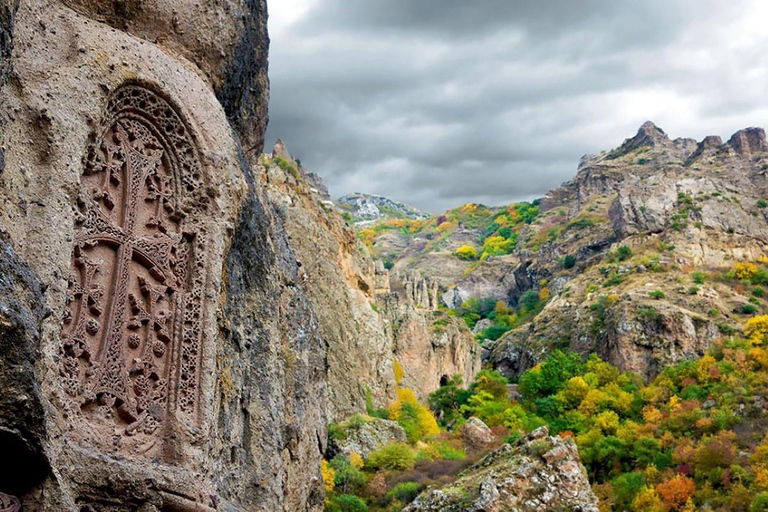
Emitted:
<point x="441" y="102"/>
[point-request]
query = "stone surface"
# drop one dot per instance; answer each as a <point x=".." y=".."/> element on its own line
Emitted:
<point x="536" y="473"/>
<point x="475" y="433"/>
<point x="167" y="358"/>
<point x="367" y="437"/>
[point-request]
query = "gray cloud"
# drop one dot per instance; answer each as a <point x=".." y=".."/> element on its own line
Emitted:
<point x="437" y="103"/>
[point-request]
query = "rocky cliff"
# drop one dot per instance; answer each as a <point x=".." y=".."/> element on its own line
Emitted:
<point x="161" y="351"/>
<point x="651" y="230"/>
<point x="368" y="319"/>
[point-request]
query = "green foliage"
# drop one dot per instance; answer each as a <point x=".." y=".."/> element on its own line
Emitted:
<point x="657" y="294"/>
<point x="529" y="301"/>
<point x="448" y="399"/>
<point x="749" y="309"/>
<point x="580" y="223"/>
<point x="347" y="477"/>
<point x="405" y="492"/>
<point x="395" y="457"/>
<point x="762" y="203"/>
<point x="569" y="262"/>
<point x="548" y="377"/>
<point x="698" y="277"/>
<point x="346" y="503"/>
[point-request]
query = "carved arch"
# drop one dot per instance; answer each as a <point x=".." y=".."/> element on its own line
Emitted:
<point x="132" y="334"/>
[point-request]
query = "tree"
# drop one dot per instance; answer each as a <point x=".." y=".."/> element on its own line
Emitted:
<point x="676" y="491"/>
<point x="756" y="329"/>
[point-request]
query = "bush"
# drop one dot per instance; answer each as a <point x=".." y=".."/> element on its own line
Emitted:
<point x="346" y="477"/>
<point x="624" y="253"/>
<point x="760" y="503"/>
<point x="657" y="294"/>
<point x="405" y="492"/>
<point x="529" y="301"/>
<point x="346" y="503"/>
<point x="698" y="277"/>
<point x="749" y="309"/>
<point x="569" y="262"/>
<point x="466" y="252"/>
<point x="395" y="457"/>
<point x="762" y="203"/>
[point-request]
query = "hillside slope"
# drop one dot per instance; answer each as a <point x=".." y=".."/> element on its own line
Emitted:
<point x="635" y="258"/>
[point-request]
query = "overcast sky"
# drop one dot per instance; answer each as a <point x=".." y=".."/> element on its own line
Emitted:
<point x="441" y="102"/>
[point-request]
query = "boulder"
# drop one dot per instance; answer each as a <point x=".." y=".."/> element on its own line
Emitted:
<point x="367" y="435"/>
<point x="476" y="433"/>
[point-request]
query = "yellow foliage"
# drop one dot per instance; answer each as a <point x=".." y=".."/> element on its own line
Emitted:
<point x="607" y="421"/>
<point x="648" y="500"/>
<point x="759" y="356"/>
<point x="689" y="506"/>
<point x="744" y="270"/>
<point x="762" y="259"/>
<point x="468" y="208"/>
<point x="761" y="478"/>
<point x="329" y="477"/>
<point x="466" y="252"/>
<point x="651" y="414"/>
<point x="356" y="460"/>
<point x="427" y="422"/>
<point x="399" y="373"/>
<point x="574" y="391"/>
<point x="544" y="294"/>
<point x="756" y="329"/>
<point x="444" y="226"/>
<point x="704" y="365"/>
<point x="591" y="402"/>
<point x="367" y="235"/>
<point x="651" y="474"/>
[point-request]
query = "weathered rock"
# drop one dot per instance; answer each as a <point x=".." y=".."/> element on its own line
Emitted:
<point x="366" y="436"/>
<point x="475" y="433"/>
<point x="537" y="473"/>
<point x="181" y="367"/>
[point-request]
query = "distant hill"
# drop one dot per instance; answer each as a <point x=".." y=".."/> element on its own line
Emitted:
<point x="367" y="208"/>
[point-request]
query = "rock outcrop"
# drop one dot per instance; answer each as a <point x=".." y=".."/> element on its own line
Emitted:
<point x="159" y="350"/>
<point x="539" y="472"/>
<point x="366" y="436"/>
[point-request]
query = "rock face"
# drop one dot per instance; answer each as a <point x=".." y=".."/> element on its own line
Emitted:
<point x="368" y="319"/>
<point x="369" y="436"/>
<point x="159" y="350"/>
<point x="537" y="473"/>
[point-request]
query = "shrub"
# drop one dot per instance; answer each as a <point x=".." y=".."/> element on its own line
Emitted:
<point x="743" y="270"/>
<point x="698" y="277"/>
<point x="569" y="262"/>
<point x="657" y="294"/>
<point x="529" y="301"/>
<point x="624" y="253"/>
<point x="395" y="457"/>
<point x="762" y="203"/>
<point x="466" y="252"/>
<point x="405" y="492"/>
<point x="756" y="329"/>
<point x="693" y="290"/>
<point x="749" y="309"/>
<point x="399" y="372"/>
<point x="758" y="292"/>
<point x="760" y="503"/>
<point x="346" y="503"/>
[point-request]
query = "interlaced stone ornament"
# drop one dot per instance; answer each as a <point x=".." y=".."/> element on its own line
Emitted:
<point x="9" y="503"/>
<point x="132" y="333"/>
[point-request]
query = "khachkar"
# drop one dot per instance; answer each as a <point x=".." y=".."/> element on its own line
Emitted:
<point x="131" y="347"/>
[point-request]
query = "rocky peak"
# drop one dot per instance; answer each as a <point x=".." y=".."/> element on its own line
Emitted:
<point x="647" y="135"/>
<point x="280" y="151"/>
<point x="748" y="141"/>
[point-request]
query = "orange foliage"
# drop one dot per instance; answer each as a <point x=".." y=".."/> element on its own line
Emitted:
<point x="676" y="491"/>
